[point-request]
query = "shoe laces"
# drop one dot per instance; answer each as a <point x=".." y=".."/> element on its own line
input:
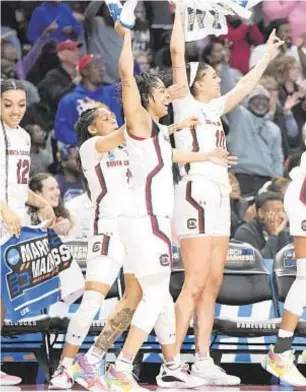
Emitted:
<point x="185" y="368"/>
<point x="60" y="371"/>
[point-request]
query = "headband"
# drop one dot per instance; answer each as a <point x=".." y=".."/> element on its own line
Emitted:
<point x="193" y="72"/>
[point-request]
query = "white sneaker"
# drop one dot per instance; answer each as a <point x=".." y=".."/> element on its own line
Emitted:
<point x="283" y="367"/>
<point x="179" y="378"/>
<point x="62" y="378"/>
<point x="213" y="374"/>
<point x="7" y="379"/>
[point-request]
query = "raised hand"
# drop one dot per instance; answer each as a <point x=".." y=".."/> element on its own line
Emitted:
<point x="273" y="44"/>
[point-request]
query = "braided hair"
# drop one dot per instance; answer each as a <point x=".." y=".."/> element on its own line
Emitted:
<point x="84" y="121"/>
<point x="146" y="82"/>
<point x="7" y="85"/>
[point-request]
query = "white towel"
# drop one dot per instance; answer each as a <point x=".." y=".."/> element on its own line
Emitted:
<point x="207" y="17"/>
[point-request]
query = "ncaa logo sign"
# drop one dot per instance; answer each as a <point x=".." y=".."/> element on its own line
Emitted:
<point x="13" y="257"/>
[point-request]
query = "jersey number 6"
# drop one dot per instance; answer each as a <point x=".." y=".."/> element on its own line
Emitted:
<point x="23" y="168"/>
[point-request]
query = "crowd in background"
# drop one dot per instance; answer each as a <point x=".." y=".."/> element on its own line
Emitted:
<point x="66" y="54"/>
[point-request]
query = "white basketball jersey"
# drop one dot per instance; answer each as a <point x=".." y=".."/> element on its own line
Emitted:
<point x="152" y="179"/>
<point x="205" y="137"/>
<point x="108" y="176"/>
<point x="15" y="163"/>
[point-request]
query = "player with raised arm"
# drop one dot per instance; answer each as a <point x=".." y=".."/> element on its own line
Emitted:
<point x="14" y="174"/>
<point x="146" y="229"/>
<point x="280" y="359"/>
<point x="202" y="205"/>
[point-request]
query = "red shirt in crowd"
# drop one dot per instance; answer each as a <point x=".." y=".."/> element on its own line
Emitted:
<point x="242" y="37"/>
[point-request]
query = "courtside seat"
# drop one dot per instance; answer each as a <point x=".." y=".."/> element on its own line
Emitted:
<point x="246" y="282"/>
<point x="284" y="273"/>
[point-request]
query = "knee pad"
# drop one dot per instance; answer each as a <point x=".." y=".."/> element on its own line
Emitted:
<point x="165" y="325"/>
<point x="102" y="269"/>
<point x="155" y="288"/>
<point x="81" y="321"/>
<point x="296" y="298"/>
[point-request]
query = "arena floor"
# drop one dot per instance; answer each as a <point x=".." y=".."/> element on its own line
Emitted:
<point x="256" y="388"/>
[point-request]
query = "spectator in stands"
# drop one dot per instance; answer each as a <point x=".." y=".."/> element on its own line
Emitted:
<point x="293" y="11"/>
<point x="238" y="204"/>
<point x="242" y="35"/>
<point x="9" y="60"/>
<point x="46" y="186"/>
<point x="284" y="32"/>
<point x="282" y="115"/>
<point x="217" y="54"/>
<point x="143" y="62"/>
<point x="256" y="141"/>
<point x="60" y="81"/>
<point x="41" y="157"/>
<point x="141" y="35"/>
<point x="267" y="232"/>
<point x="26" y="63"/>
<point x="90" y="92"/>
<point x="70" y="179"/>
<point x="278" y="185"/>
<point x="54" y="12"/>
<point x="102" y="39"/>
<point x="291" y="92"/>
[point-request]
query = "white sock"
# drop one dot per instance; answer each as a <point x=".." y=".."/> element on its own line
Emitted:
<point x="124" y="362"/>
<point x="175" y="363"/>
<point x="284" y="334"/>
<point x="94" y="355"/>
<point x="67" y="362"/>
<point x="127" y="16"/>
<point x="203" y="356"/>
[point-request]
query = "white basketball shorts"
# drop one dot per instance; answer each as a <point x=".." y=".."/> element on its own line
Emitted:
<point x="106" y="253"/>
<point x="147" y="240"/>
<point x="201" y="209"/>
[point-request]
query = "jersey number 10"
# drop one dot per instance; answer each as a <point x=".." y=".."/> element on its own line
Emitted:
<point x="23" y="168"/>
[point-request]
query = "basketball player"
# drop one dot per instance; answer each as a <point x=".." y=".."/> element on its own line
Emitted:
<point x="280" y="359"/>
<point x="14" y="175"/>
<point x="145" y="229"/>
<point x="105" y="163"/>
<point x="202" y="206"/>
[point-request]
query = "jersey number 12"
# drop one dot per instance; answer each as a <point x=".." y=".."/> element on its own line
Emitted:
<point x="23" y="168"/>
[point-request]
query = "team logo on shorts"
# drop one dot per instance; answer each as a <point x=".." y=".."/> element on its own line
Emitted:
<point x="164" y="260"/>
<point x="192" y="224"/>
<point x="303" y="225"/>
<point x="96" y="247"/>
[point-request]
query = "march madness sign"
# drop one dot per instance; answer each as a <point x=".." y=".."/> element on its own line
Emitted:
<point x="30" y="266"/>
